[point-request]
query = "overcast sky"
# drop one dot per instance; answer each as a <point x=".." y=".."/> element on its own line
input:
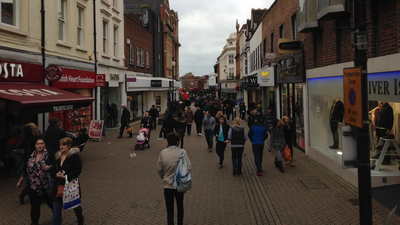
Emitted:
<point x="204" y="26"/>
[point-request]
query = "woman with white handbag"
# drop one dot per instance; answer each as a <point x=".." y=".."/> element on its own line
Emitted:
<point x="67" y="168"/>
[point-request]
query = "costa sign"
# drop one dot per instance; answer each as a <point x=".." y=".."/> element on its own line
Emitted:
<point x="53" y="73"/>
<point x="20" y="72"/>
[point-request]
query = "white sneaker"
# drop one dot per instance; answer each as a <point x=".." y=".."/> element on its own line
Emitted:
<point x="200" y="134"/>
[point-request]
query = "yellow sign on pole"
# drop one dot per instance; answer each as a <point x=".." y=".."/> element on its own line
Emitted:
<point x="352" y="96"/>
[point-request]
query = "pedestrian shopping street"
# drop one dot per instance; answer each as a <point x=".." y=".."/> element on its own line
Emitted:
<point x="118" y="189"/>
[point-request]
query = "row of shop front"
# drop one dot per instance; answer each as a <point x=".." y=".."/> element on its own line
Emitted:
<point x="310" y="96"/>
<point x="77" y="97"/>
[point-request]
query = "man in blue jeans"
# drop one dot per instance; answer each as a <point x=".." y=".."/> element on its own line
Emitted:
<point x="258" y="133"/>
<point x="209" y="124"/>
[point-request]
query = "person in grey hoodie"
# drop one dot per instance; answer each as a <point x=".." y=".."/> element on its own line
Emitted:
<point x="238" y="136"/>
<point x="209" y="124"/>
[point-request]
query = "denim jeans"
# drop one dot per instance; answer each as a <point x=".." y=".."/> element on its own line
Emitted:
<point x="209" y="138"/>
<point x="57" y="217"/>
<point x="237" y="153"/>
<point x="170" y="195"/>
<point x="258" y="155"/>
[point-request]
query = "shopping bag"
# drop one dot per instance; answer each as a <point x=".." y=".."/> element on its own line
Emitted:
<point x="129" y="129"/>
<point x="182" y="178"/>
<point x="71" y="196"/>
<point x="286" y="154"/>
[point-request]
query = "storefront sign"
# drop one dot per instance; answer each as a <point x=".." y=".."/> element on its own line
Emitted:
<point x="20" y="72"/>
<point x="253" y="82"/>
<point x="270" y="55"/>
<point x="384" y="86"/>
<point x="53" y="73"/>
<point x="266" y="77"/>
<point x="96" y="128"/>
<point x="76" y="79"/>
<point x="63" y="108"/>
<point x="156" y="83"/>
<point x="291" y="69"/>
<point x="29" y="92"/>
<point x="100" y="80"/>
<point x="114" y="76"/>
<point x="352" y="96"/>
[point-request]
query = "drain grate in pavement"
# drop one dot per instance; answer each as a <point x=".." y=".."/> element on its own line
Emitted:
<point x="313" y="184"/>
<point x="355" y="202"/>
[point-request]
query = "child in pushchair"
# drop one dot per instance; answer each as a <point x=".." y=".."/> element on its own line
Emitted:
<point x="142" y="140"/>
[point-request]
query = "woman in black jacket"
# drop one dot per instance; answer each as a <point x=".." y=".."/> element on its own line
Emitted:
<point x="289" y="133"/>
<point x="68" y="163"/>
<point x="180" y="126"/>
<point x="221" y="133"/>
<point x="198" y="119"/>
<point x="167" y="127"/>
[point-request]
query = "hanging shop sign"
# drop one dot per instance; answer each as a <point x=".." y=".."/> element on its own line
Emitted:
<point x="352" y="96"/>
<point x="100" y="80"/>
<point x="76" y="79"/>
<point x="53" y="73"/>
<point x="291" y="69"/>
<point x="266" y="77"/>
<point x="20" y="72"/>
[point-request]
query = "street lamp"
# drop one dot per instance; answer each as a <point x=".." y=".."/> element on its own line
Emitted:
<point x="173" y="64"/>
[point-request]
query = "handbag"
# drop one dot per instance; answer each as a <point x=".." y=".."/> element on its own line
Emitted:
<point x="71" y="196"/>
<point x="286" y="154"/>
<point x="129" y="129"/>
<point x="60" y="191"/>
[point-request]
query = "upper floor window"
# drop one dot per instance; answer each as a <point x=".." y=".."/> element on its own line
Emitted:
<point x="131" y="55"/>
<point x="230" y="43"/>
<point x="147" y="60"/>
<point x="105" y="26"/>
<point x="115" y="3"/>
<point x="294" y="26"/>
<point x="230" y="59"/>
<point x="140" y="57"/>
<point x="9" y="12"/>
<point x="115" y="41"/>
<point x="62" y="20"/>
<point x="79" y="25"/>
<point x="272" y="42"/>
<point x="281" y="32"/>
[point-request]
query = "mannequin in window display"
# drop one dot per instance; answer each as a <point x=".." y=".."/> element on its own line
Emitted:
<point x="109" y="115"/>
<point x="336" y="116"/>
<point x="114" y="109"/>
<point x="384" y="124"/>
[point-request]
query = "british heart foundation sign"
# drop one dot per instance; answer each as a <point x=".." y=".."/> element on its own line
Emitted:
<point x="352" y="96"/>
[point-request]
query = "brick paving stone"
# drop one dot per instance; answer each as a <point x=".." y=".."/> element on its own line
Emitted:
<point x="118" y="189"/>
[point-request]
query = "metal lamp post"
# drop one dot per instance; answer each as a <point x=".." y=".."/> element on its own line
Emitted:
<point x="173" y="64"/>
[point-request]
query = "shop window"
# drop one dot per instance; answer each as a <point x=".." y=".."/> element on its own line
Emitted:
<point x="307" y="15"/>
<point x="9" y="12"/>
<point x="62" y="20"/>
<point x="131" y="55"/>
<point x="79" y="26"/>
<point x="328" y="9"/>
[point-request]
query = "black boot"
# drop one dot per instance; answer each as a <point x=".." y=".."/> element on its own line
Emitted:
<point x="280" y="166"/>
<point x="276" y="164"/>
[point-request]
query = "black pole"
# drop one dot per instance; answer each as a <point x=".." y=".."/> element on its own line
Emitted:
<point x="95" y="56"/>
<point x="43" y="52"/>
<point x="364" y="171"/>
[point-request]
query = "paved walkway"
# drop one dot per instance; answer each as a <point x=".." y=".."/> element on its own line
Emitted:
<point x="118" y="189"/>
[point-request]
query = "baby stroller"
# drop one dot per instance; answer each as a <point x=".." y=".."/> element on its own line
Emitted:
<point x="143" y="139"/>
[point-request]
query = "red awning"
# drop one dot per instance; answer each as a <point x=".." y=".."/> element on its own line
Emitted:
<point x="42" y="98"/>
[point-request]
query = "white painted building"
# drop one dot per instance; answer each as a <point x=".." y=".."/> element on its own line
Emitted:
<point x="227" y="79"/>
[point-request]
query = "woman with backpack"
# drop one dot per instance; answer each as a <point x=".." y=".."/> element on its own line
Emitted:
<point x="237" y="136"/>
